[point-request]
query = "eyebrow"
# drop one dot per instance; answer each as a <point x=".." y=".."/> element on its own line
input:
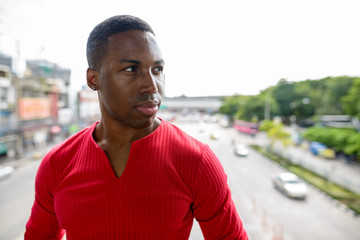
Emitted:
<point x="161" y="61"/>
<point x="129" y="61"/>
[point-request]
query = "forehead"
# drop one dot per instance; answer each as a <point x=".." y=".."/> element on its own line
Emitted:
<point x="133" y="42"/>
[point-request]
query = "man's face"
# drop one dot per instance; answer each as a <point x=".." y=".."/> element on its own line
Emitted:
<point x="131" y="79"/>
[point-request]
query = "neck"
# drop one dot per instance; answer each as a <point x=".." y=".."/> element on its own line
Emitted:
<point x="114" y="132"/>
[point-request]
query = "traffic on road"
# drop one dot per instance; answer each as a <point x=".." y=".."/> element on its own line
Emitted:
<point x="267" y="213"/>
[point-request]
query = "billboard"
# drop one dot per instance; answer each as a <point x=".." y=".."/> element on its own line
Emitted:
<point x="34" y="108"/>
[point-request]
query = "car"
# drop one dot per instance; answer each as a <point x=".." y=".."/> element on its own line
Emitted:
<point x="215" y="135"/>
<point x="322" y="150"/>
<point x="5" y="172"/>
<point x="202" y="127"/>
<point x="241" y="150"/>
<point x="291" y="185"/>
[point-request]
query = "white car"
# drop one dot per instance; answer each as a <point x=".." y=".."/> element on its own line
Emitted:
<point x="5" y="172"/>
<point x="202" y="127"/>
<point x="215" y="135"/>
<point x="291" y="185"/>
<point x="241" y="150"/>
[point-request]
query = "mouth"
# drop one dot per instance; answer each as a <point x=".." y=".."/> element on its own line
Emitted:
<point x="148" y="108"/>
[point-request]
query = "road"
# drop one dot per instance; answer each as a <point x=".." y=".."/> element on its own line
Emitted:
<point x="266" y="213"/>
<point x="16" y="198"/>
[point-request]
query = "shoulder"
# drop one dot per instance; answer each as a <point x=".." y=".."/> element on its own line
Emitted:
<point x="62" y="154"/>
<point x="195" y="162"/>
<point x="179" y="138"/>
<point x="72" y="143"/>
<point x="187" y="151"/>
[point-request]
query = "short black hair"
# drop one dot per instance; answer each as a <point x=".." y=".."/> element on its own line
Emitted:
<point x="96" y="49"/>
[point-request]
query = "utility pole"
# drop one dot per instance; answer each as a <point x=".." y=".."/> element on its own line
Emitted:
<point x="267" y="106"/>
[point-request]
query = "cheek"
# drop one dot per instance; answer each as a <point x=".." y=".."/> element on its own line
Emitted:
<point x="161" y="86"/>
<point x="113" y="96"/>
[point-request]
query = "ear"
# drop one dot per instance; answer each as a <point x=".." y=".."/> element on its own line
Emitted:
<point x="92" y="79"/>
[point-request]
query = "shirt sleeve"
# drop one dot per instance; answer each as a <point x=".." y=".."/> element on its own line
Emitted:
<point x="43" y="223"/>
<point x="213" y="207"/>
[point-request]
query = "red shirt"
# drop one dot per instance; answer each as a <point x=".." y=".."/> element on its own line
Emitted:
<point x="169" y="179"/>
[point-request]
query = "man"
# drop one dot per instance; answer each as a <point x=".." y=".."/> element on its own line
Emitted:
<point x="131" y="175"/>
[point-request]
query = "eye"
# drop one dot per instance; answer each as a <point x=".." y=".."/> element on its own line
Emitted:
<point x="159" y="69"/>
<point x="130" y="69"/>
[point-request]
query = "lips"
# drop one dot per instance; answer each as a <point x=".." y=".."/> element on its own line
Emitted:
<point x="148" y="108"/>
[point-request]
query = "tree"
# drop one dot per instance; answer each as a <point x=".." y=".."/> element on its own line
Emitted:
<point x="284" y="95"/>
<point x="353" y="146"/>
<point x="350" y="102"/>
<point x="346" y="140"/>
<point x="252" y="110"/>
<point x="336" y="88"/>
<point x="304" y="99"/>
<point x="231" y="105"/>
<point x="266" y="125"/>
<point x="275" y="132"/>
<point x="307" y="98"/>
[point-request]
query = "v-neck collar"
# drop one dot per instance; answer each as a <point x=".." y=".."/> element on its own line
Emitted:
<point x="133" y="146"/>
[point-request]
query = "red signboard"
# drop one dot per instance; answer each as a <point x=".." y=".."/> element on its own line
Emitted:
<point x="34" y="108"/>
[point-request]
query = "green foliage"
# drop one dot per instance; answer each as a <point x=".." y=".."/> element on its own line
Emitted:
<point x="252" y="109"/>
<point x="231" y="105"/>
<point x="266" y="125"/>
<point x="303" y="99"/>
<point x="275" y="132"/>
<point x="284" y="95"/>
<point x="336" y="88"/>
<point x="345" y="140"/>
<point x="248" y="108"/>
<point x="350" y="102"/>
<point x="353" y="145"/>
<point x="306" y="98"/>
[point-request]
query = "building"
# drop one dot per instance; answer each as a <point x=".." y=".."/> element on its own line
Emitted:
<point x="189" y="108"/>
<point x="209" y="104"/>
<point x="43" y="94"/>
<point x="337" y="121"/>
<point x="88" y="106"/>
<point x="10" y="140"/>
<point x="34" y="109"/>
<point x="53" y="77"/>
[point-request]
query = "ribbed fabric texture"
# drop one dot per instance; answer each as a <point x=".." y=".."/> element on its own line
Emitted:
<point x="169" y="179"/>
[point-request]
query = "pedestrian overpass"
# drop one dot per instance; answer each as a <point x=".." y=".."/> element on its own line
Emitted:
<point x="191" y="104"/>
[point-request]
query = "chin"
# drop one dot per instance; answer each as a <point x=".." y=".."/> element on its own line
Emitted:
<point x="143" y="123"/>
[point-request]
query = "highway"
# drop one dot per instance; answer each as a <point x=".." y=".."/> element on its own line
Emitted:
<point x="266" y="213"/>
<point x="16" y="199"/>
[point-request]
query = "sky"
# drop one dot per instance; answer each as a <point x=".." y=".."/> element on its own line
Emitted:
<point x="211" y="48"/>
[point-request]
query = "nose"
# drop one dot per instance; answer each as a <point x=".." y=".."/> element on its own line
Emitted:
<point x="149" y="84"/>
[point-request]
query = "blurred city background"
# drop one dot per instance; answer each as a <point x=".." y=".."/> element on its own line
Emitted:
<point x="275" y="91"/>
